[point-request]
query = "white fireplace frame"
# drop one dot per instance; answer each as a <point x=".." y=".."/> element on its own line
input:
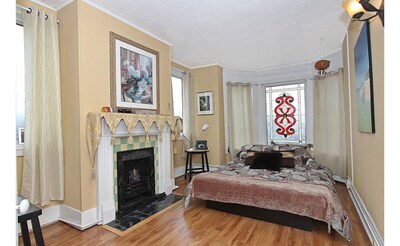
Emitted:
<point x="105" y="167"/>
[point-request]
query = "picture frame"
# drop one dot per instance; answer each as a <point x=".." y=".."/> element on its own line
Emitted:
<point x="364" y="81"/>
<point x="201" y="145"/>
<point x="205" y="103"/>
<point x="21" y="135"/>
<point x="134" y="82"/>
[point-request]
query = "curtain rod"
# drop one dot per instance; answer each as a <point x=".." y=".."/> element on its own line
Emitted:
<point x="29" y="10"/>
<point x="239" y="83"/>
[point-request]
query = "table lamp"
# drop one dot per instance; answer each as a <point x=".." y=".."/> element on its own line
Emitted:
<point x="205" y="127"/>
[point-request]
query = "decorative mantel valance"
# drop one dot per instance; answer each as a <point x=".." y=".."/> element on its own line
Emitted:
<point x="93" y="126"/>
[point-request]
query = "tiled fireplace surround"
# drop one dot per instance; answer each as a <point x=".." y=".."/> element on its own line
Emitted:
<point x="106" y="163"/>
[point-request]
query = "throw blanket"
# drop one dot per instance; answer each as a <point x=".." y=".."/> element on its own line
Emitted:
<point x="306" y="190"/>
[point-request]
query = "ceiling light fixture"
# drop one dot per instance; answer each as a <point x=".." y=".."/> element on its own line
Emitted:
<point x="357" y="8"/>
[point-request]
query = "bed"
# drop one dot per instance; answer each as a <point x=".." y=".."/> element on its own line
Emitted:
<point x="292" y="196"/>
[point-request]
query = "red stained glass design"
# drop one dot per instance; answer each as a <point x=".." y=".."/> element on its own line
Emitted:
<point x="284" y="111"/>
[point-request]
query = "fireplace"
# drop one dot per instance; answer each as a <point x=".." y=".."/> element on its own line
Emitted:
<point x="135" y="179"/>
<point x="106" y="157"/>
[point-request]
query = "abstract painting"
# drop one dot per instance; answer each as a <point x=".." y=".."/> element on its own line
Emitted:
<point x="364" y="85"/>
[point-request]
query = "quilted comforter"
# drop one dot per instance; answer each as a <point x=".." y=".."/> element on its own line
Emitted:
<point x="304" y="190"/>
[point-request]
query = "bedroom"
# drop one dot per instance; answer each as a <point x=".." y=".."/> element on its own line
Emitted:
<point x="89" y="90"/>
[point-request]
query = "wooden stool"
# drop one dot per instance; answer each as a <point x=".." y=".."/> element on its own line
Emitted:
<point x="33" y="215"/>
<point x="189" y="166"/>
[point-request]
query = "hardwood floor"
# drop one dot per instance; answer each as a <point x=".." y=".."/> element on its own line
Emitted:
<point x="201" y="226"/>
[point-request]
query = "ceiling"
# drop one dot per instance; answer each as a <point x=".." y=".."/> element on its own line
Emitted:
<point x="236" y="34"/>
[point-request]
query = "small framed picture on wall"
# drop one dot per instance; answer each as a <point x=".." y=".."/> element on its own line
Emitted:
<point x="21" y="135"/>
<point x="205" y="103"/>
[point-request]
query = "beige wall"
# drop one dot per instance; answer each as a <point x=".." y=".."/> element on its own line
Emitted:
<point x="368" y="149"/>
<point x="85" y="58"/>
<point x="70" y="102"/>
<point x="210" y="79"/>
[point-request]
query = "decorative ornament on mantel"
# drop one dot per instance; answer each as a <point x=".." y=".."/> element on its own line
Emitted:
<point x="322" y="65"/>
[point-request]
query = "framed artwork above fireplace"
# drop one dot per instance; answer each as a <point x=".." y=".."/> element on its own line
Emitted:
<point x="134" y="81"/>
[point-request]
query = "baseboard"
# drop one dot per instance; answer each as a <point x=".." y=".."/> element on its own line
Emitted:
<point x="340" y="179"/>
<point x="179" y="171"/>
<point x="78" y="219"/>
<point x="71" y="216"/>
<point x="49" y="215"/>
<point x="366" y="219"/>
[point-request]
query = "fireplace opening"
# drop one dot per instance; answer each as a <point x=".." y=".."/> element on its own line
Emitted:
<point x="135" y="179"/>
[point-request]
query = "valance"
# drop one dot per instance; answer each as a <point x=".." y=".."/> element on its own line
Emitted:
<point x="93" y="126"/>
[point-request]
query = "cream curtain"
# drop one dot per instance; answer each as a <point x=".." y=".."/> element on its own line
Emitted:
<point x="188" y="109"/>
<point x="240" y="116"/>
<point x="329" y="123"/>
<point x="43" y="171"/>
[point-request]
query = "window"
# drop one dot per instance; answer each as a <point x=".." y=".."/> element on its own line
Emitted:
<point x="177" y="96"/>
<point x="20" y="88"/>
<point x="286" y="118"/>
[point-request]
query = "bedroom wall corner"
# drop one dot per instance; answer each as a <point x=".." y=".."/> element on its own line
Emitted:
<point x="368" y="149"/>
<point x="210" y="78"/>
<point x="94" y="53"/>
<point x="347" y="101"/>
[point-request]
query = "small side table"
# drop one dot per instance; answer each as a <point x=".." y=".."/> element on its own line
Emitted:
<point x="33" y="215"/>
<point x="189" y="166"/>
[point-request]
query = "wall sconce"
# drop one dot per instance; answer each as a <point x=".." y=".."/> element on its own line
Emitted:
<point x="357" y="8"/>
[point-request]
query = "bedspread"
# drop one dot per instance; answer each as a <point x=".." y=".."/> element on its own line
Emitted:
<point x="306" y="191"/>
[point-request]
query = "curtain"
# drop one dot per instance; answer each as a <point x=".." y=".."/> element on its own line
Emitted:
<point x="188" y="109"/>
<point x="43" y="171"/>
<point x="329" y="123"/>
<point x="240" y="116"/>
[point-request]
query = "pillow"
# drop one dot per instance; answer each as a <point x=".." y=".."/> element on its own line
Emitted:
<point x="249" y="158"/>
<point x="267" y="160"/>
<point x="301" y="152"/>
<point x="287" y="158"/>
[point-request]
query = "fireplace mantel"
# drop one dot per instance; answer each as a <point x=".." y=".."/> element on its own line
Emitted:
<point x="102" y="128"/>
<point x="94" y="126"/>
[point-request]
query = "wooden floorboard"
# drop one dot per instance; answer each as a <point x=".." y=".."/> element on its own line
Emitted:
<point x="201" y="226"/>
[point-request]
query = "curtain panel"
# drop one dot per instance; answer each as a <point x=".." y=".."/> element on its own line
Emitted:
<point x="240" y="116"/>
<point x="43" y="170"/>
<point x="329" y="123"/>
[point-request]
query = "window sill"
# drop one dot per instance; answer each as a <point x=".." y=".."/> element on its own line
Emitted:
<point x="20" y="150"/>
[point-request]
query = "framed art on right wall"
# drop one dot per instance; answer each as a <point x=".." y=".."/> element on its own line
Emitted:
<point x="364" y="82"/>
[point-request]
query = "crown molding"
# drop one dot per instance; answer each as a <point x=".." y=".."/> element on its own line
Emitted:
<point x="180" y="63"/>
<point x="44" y="5"/>
<point x="125" y="21"/>
<point x="207" y="65"/>
<point x="64" y="4"/>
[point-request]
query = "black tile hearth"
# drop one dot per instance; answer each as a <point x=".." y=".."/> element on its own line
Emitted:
<point x="132" y="218"/>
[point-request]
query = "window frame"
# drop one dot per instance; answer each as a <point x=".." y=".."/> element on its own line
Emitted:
<point x="173" y="98"/>
<point x="269" y="128"/>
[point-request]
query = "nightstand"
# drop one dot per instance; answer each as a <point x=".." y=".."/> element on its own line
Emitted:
<point x="189" y="165"/>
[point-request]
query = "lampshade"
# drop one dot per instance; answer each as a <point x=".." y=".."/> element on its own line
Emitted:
<point x="23" y="207"/>
<point x="205" y="127"/>
<point x="353" y="7"/>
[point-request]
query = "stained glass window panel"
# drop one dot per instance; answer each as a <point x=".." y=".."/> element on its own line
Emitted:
<point x="286" y="113"/>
